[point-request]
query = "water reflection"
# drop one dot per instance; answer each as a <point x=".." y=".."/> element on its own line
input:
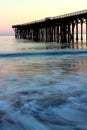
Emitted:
<point x="10" y="45"/>
<point x="30" y="66"/>
<point x="78" y="45"/>
<point x="50" y="46"/>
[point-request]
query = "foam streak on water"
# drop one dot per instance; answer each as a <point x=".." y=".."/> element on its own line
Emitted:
<point x="42" y="87"/>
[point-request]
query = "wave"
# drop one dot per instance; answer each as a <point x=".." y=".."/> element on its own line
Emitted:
<point x="48" y="53"/>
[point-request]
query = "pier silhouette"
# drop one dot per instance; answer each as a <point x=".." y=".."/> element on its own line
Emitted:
<point x="62" y="28"/>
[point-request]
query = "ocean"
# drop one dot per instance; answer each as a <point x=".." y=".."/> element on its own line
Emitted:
<point x="43" y="86"/>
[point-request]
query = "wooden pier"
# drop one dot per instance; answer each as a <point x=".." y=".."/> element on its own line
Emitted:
<point x="62" y="28"/>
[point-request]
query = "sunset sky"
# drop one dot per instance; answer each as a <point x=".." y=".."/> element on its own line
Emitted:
<point x="22" y="11"/>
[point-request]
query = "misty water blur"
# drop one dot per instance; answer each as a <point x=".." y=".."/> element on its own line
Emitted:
<point x="43" y="86"/>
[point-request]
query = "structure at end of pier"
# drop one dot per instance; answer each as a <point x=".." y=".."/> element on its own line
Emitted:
<point x="62" y="28"/>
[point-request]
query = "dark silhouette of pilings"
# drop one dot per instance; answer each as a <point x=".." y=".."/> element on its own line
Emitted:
<point x="56" y="29"/>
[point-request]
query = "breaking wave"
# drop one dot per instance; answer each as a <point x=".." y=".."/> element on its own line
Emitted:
<point x="48" y="53"/>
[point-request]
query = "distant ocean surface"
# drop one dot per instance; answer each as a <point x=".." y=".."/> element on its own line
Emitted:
<point x="43" y="86"/>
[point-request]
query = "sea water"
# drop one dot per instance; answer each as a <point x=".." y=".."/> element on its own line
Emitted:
<point x="43" y="86"/>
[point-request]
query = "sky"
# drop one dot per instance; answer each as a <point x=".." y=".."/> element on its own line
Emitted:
<point x="14" y="12"/>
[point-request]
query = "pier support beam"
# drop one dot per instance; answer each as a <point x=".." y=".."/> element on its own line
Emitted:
<point x="63" y="33"/>
<point x="76" y="31"/>
<point x="53" y="33"/>
<point x="69" y="32"/>
<point x="73" y="25"/>
<point x="81" y="30"/>
<point x="50" y="33"/>
<point x="17" y="33"/>
<point x="46" y="34"/>
<point x="57" y="33"/>
<point x="60" y="33"/>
